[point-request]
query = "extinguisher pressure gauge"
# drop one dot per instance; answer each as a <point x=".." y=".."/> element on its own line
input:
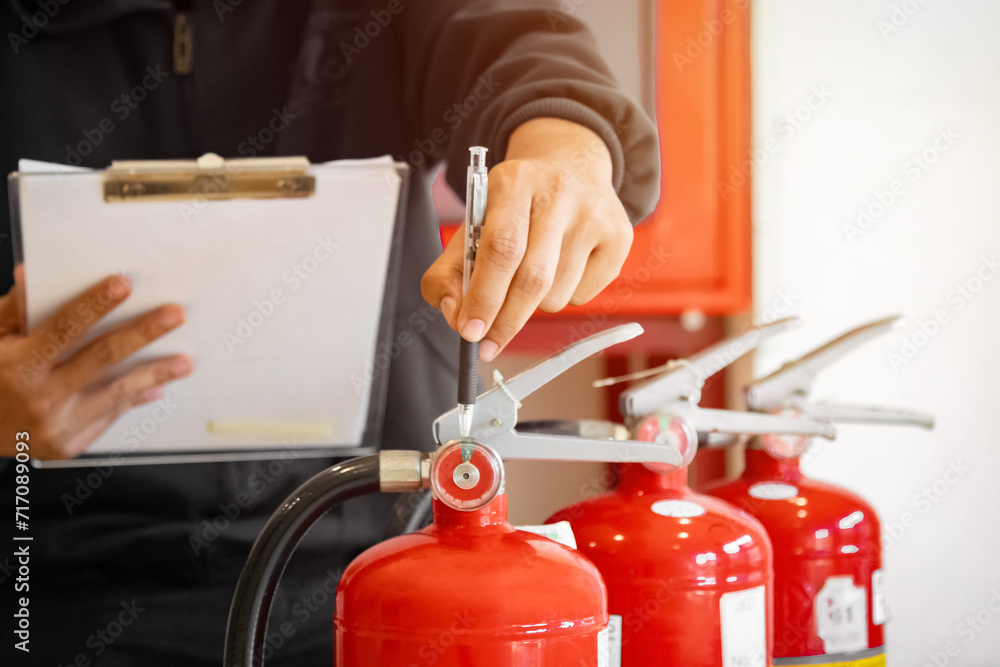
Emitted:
<point x="466" y="475"/>
<point x="667" y="429"/>
<point x="785" y="445"/>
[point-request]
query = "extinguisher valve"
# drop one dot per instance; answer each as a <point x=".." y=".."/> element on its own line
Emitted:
<point x="786" y="392"/>
<point x="683" y="379"/>
<point x="664" y="409"/>
<point x="495" y="419"/>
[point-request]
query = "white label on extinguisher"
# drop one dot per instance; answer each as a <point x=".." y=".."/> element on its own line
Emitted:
<point x="603" y="648"/>
<point x="773" y="491"/>
<point x="744" y="628"/>
<point x="614" y="641"/>
<point x="679" y="509"/>
<point x="880" y="609"/>
<point x="561" y="532"/>
<point x="841" y="610"/>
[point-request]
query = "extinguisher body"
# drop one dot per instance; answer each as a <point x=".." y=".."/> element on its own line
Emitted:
<point x="688" y="576"/>
<point x="828" y="590"/>
<point x="471" y="591"/>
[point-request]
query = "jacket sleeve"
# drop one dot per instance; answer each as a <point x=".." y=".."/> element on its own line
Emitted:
<point x="481" y="68"/>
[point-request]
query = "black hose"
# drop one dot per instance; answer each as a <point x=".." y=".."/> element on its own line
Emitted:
<point x="247" y="624"/>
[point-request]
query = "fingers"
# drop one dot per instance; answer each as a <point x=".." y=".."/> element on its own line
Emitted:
<point x="603" y="266"/>
<point x="441" y="285"/>
<point x="125" y="393"/>
<point x="78" y="442"/>
<point x="502" y="247"/>
<point x="572" y="264"/>
<point x="531" y="284"/>
<point x="602" y="263"/>
<point x="76" y="317"/>
<point x="92" y="362"/>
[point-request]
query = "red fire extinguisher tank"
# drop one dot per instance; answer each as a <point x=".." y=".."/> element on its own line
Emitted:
<point x="828" y="590"/>
<point x="471" y="591"/>
<point x="688" y="576"/>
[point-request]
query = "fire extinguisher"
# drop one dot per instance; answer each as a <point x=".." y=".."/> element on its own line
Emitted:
<point x="829" y="590"/>
<point x="469" y="589"/>
<point x="688" y="576"/>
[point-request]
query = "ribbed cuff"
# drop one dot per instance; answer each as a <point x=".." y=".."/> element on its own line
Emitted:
<point x="571" y="110"/>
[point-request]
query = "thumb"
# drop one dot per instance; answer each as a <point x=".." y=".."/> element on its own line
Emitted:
<point x="441" y="285"/>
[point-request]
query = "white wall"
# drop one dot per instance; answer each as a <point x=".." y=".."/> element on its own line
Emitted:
<point x="890" y="94"/>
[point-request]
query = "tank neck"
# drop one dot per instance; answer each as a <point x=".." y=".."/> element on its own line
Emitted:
<point x="635" y="478"/>
<point x="762" y="464"/>
<point x="494" y="514"/>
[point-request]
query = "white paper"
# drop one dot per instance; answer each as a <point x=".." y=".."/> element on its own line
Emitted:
<point x="283" y="299"/>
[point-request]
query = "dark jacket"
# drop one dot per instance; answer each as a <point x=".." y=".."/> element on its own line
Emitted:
<point x="88" y="81"/>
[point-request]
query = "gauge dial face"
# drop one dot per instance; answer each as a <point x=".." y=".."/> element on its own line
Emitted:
<point x="466" y="475"/>
<point x="667" y="429"/>
<point x="785" y="446"/>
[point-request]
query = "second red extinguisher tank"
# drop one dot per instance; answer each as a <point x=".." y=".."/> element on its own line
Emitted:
<point x="688" y="576"/>
<point x="828" y="587"/>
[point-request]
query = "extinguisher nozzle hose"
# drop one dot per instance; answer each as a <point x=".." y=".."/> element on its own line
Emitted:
<point x="255" y="589"/>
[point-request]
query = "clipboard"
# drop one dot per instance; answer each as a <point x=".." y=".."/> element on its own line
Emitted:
<point x="288" y="272"/>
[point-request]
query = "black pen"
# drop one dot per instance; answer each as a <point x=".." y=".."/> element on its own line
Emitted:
<point x="475" y="209"/>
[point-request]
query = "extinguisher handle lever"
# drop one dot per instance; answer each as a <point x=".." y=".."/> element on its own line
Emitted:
<point x="496" y="409"/>
<point x="796" y="377"/>
<point x="495" y="417"/>
<point x="864" y="414"/>
<point x="708" y="421"/>
<point x="536" y="446"/>
<point x="683" y="379"/>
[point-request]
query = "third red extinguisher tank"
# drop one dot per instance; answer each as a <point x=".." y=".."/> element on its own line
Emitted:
<point x="829" y="600"/>
<point x="828" y="587"/>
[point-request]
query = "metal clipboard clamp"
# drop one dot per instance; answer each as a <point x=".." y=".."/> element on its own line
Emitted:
<point x="267" y="257"/>
<point x="211" y="177"/>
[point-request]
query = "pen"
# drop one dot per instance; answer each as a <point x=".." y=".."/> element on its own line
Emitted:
<point x="468" y="360"/>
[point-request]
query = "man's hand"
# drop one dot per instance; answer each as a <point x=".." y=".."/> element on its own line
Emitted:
<point x="555" y="233"/>
<point x="66" y="403"/>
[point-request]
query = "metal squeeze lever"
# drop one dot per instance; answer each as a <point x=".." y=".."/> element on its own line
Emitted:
<point x="466" y="471"/>
<point x="496" y="414"/>
<point x="787" y="391"/>
<point x="671" y="399"/>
